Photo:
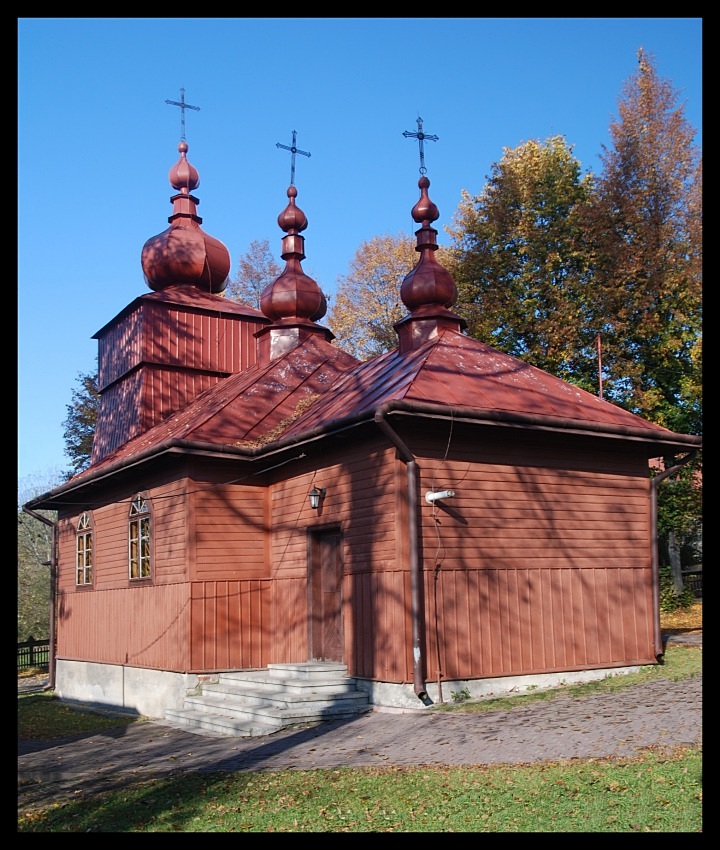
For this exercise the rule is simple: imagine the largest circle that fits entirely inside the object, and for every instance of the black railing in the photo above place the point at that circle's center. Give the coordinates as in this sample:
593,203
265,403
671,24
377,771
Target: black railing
34,654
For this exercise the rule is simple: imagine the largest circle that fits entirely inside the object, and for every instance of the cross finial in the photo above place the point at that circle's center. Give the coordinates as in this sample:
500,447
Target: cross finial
293,150
183,106
421,137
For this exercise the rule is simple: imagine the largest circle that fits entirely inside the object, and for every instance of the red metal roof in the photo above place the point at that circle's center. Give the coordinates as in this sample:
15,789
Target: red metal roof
463,374
317,386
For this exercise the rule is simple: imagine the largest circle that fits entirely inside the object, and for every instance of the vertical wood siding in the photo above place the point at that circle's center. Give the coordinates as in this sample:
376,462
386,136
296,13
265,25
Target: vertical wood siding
145,626
230,624
289,638
176,353
177,336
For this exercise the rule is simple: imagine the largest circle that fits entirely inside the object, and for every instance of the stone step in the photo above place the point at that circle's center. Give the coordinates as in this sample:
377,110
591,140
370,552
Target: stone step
263,701
279,707
281,696
218,724
261,682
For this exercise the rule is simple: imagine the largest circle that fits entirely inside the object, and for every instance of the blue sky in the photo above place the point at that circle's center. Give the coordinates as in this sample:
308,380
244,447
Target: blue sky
96,140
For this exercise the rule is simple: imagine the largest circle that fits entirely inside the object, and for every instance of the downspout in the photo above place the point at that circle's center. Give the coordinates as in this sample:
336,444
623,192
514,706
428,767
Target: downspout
53,592
655,481
415,571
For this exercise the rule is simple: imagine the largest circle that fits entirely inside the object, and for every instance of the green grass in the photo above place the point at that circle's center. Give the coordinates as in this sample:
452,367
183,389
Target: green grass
659,790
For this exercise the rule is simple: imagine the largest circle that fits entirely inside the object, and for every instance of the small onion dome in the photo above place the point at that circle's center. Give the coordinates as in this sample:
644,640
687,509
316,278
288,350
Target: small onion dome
293,295
184,254
428,283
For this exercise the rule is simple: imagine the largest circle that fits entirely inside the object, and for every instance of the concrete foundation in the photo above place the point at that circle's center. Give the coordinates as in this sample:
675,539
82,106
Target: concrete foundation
151,692
133,689
392,697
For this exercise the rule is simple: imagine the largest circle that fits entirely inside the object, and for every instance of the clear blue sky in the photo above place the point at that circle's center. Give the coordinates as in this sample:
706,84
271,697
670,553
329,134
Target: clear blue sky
96,140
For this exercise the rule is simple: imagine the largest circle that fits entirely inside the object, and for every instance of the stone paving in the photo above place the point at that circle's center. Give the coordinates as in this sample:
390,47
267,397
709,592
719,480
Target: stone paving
661,713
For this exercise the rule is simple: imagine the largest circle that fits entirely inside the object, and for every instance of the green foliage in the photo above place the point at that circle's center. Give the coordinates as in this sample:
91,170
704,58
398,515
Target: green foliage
520,263
670,599
645,234
460,696
82,415
33,550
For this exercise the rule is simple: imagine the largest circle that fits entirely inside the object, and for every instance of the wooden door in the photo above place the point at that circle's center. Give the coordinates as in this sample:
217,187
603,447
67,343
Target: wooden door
326,628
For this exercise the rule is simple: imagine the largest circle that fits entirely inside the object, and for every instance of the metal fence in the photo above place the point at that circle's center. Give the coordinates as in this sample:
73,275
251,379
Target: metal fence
34,653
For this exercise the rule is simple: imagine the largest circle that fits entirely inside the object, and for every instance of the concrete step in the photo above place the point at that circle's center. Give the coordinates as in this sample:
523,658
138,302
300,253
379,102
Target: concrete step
262,682
218,724
262,701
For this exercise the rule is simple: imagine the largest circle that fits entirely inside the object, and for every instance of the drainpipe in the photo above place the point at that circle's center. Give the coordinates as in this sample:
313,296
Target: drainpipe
415,571
655,482
52,563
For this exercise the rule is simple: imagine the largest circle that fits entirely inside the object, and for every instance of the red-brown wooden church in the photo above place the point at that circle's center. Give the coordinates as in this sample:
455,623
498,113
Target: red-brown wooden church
475,520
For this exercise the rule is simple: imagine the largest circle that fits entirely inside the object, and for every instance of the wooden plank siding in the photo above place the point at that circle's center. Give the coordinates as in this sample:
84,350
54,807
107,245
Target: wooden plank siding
536,569
529,568
230,531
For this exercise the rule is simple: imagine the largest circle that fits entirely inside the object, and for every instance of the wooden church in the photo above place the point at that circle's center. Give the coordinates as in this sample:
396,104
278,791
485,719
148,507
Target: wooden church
441,517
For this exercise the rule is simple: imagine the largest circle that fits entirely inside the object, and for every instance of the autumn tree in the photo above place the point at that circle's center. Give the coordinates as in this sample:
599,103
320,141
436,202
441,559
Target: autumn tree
520,263
645,228
82,414
645,231
256,269
367,302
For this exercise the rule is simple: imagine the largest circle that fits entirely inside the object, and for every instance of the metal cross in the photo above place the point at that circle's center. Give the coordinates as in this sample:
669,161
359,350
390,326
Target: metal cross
421,137
183,106
293,150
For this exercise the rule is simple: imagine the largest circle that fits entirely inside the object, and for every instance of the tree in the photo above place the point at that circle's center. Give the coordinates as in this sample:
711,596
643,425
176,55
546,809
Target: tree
33,545
256,269
81,420
645,229
367,300
520,263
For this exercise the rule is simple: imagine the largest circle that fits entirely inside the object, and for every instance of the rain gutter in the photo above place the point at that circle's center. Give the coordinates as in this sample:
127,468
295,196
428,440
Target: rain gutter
416,610
655,482
53,592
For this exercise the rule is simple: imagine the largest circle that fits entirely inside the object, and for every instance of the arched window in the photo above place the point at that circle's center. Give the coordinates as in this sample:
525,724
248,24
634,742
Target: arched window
139,538
84,550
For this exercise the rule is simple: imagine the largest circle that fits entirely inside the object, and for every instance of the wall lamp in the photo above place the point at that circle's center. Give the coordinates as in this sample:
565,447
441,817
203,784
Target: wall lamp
431,497
316,495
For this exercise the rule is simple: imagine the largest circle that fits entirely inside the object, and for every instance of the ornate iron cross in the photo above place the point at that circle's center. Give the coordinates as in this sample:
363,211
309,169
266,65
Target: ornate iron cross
183,106
293,150
421,137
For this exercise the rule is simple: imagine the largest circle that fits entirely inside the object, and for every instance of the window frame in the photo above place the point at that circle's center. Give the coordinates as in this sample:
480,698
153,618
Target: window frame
140,539
84,534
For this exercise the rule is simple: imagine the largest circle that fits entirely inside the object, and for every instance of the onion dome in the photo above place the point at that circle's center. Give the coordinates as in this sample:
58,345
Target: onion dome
293,296
429,290
428,283
184,255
